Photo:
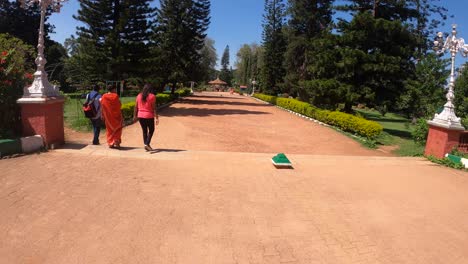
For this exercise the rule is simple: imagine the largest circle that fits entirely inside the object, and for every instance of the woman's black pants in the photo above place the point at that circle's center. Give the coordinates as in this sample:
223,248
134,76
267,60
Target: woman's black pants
147,125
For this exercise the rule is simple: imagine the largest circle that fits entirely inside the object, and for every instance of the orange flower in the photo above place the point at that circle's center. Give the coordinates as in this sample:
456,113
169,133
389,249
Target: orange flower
4,53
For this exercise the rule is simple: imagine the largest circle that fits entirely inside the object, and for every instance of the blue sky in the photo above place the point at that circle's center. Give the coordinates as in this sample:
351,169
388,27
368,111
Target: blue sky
237,22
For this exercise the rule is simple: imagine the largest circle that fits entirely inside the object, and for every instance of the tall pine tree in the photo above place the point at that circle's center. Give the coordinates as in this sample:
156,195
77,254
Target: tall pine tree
179,36
379,48
274,43
209,59
113,40
226,72
309,20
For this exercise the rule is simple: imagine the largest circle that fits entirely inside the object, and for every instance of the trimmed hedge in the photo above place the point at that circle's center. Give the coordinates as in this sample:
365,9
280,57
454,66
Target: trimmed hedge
161,99
343,121
267,98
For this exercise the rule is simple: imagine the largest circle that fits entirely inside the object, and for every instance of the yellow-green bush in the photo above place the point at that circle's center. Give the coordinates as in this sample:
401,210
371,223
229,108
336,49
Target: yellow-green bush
127,110
355,124
184,92
293,105
267,98
344,121
164,98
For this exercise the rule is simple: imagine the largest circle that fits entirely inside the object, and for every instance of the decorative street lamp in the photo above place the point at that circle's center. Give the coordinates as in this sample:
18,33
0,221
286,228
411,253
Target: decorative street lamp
41,86
41,104
452,44
253,86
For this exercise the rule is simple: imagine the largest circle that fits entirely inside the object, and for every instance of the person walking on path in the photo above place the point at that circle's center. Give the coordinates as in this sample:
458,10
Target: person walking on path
112,116
145,111
94,97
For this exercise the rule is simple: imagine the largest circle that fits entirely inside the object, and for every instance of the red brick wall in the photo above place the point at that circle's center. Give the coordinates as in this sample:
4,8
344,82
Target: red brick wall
45,119
441,141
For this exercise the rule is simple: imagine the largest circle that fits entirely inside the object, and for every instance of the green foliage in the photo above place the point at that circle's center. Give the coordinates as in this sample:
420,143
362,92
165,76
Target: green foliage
15,57
458,153
208,61
112,42
267,98
127,110
274,43
183,92
309,21
461,96
446,162
397,132
380,56
179,34
164,98
56,55
247,64
293,105
226,72
420,131
351,123
23,23
425,93
343,121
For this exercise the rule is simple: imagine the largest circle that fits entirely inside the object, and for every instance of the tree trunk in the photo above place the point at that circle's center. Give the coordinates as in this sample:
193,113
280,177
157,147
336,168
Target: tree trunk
348,107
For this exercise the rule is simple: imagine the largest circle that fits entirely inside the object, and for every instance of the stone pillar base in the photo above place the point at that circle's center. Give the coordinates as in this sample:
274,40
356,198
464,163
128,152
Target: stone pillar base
441,141
43,116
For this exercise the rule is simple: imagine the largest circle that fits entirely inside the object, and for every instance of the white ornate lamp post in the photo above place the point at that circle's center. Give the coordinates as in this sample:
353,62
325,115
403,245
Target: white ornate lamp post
445,128
41,86
253,86
41,104
452,44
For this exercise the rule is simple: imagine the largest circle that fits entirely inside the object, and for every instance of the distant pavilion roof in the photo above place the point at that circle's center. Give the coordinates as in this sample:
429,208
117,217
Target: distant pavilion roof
217,82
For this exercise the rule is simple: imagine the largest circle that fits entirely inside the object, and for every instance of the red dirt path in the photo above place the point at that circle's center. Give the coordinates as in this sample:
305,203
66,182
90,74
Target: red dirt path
90,204
233,123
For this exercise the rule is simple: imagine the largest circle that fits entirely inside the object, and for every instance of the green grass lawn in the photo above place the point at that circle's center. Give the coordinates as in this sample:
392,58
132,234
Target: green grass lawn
397,132
74,117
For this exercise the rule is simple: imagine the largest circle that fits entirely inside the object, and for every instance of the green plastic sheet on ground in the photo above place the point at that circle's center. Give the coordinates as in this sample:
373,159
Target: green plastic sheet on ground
281,159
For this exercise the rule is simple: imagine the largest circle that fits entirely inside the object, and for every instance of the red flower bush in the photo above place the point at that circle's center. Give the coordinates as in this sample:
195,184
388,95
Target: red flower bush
16,58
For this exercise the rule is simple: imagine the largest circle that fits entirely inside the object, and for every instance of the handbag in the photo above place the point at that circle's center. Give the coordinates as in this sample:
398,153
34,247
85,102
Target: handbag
89,109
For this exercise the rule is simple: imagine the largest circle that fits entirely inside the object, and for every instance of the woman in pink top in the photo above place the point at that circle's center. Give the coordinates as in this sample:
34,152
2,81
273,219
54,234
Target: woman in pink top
145,112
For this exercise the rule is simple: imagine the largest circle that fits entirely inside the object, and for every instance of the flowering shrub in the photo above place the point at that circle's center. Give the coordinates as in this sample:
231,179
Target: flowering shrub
15,60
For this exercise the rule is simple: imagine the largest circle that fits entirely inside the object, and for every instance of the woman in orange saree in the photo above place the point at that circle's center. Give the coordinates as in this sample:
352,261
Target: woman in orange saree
112,116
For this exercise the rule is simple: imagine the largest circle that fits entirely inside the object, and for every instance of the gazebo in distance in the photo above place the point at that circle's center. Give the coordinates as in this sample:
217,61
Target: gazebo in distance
218,85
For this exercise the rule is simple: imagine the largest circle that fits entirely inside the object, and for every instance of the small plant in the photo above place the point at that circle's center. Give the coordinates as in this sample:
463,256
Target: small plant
420,131
458,153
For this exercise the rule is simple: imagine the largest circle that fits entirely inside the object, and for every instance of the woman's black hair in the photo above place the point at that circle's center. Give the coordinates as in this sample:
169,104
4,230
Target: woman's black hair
147,89
96,88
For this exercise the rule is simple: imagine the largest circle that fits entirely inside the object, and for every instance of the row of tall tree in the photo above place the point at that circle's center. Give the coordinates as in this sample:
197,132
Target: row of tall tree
337,54
124,40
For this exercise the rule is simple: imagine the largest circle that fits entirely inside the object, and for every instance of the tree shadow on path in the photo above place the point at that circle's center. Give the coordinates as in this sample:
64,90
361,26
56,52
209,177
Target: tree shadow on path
219,102
204,112
216,97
